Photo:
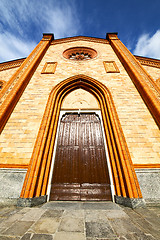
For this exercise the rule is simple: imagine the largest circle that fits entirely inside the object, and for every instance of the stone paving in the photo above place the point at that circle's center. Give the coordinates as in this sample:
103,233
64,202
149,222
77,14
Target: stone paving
79,221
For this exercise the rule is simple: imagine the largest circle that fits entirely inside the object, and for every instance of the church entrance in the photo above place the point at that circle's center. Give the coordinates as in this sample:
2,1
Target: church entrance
80,168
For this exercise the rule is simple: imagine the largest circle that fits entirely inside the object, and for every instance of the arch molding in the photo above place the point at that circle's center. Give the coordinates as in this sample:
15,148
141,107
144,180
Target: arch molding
124,177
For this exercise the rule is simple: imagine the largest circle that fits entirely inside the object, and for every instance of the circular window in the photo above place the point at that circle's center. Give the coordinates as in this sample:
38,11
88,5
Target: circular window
80,53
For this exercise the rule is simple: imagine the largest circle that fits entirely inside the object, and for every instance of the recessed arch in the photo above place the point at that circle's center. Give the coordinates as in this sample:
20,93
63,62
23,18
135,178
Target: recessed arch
124,177
80,99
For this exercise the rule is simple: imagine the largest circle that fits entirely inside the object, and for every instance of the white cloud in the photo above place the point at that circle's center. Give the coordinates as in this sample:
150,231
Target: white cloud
62,22
14,48
24,21
148,46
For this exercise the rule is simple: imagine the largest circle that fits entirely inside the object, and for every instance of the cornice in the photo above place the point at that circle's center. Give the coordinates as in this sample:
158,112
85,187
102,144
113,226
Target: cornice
148,61
143,166
79,38
11,64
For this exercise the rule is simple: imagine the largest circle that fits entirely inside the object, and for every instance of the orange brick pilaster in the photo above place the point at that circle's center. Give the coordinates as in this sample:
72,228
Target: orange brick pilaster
146,86
13,90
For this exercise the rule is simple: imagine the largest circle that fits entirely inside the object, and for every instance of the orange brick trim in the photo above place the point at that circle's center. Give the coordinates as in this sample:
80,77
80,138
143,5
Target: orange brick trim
146,86
124,176
11,64
14,88
49,68
158,82
111,67
149,61
19,166
146,165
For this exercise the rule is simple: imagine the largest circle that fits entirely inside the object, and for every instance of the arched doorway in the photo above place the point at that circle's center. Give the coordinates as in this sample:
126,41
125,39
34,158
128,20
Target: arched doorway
80,169
80,161
124,177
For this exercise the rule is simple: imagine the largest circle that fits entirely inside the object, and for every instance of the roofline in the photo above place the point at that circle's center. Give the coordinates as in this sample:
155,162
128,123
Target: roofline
151,62
17,59
149,58
79,38
11,64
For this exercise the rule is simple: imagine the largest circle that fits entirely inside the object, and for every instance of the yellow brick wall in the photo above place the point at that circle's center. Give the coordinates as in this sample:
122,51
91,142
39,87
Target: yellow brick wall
141,132
5,75
153,71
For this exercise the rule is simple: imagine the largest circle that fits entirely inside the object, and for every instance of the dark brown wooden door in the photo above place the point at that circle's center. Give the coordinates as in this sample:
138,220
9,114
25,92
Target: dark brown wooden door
80,169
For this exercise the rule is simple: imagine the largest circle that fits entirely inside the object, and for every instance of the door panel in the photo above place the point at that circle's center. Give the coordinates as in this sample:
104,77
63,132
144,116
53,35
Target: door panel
80,169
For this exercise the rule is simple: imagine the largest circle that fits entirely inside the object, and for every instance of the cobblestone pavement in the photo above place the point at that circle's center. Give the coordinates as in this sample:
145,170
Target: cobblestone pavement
79,221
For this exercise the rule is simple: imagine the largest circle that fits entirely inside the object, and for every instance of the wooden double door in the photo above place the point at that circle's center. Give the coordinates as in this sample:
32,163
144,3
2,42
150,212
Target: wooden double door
80,168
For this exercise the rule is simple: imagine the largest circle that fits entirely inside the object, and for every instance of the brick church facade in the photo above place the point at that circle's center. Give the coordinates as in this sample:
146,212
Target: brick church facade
79,120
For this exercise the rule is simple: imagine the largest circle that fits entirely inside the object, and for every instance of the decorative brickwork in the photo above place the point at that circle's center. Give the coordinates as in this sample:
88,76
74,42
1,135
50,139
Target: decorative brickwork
49,67
111,67
11,64
148,61
144,83
19,74
141,71
12,91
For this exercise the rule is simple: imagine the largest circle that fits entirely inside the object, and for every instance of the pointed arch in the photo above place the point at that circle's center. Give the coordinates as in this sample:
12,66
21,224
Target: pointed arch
124,177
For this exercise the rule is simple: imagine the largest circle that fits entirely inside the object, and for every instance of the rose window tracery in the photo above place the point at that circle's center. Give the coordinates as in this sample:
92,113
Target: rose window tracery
80,53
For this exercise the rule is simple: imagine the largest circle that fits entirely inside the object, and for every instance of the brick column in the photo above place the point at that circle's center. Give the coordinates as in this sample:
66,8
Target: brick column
146,86
13,90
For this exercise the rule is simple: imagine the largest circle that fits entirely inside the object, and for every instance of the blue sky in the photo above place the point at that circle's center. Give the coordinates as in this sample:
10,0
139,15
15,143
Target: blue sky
22,23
